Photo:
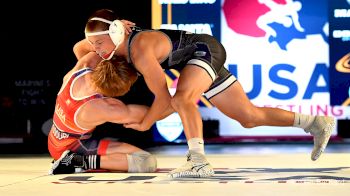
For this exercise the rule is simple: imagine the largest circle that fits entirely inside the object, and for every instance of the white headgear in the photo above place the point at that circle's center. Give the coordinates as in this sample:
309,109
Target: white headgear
116,30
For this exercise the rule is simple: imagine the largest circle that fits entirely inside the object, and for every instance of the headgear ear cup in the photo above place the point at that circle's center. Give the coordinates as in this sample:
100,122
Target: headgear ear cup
116,32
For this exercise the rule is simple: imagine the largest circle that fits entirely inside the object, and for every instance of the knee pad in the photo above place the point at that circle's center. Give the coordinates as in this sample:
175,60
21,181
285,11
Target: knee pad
141,162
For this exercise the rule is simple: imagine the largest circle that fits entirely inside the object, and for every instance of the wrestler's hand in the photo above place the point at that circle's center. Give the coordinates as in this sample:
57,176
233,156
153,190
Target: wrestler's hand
127,25
136,126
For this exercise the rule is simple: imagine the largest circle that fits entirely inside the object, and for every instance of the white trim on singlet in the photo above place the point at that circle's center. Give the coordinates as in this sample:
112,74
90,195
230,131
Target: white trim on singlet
221,87
66,82
205,66
88,70
80,98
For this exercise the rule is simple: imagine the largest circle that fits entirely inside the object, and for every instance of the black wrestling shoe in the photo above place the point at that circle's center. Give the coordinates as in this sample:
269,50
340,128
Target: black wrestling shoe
64,165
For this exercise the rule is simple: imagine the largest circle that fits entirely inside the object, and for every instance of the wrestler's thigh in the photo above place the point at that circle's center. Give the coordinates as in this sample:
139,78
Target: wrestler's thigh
233,101
193,81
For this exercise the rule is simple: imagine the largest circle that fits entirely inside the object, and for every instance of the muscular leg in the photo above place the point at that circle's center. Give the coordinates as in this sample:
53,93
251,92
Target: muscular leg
116,156
192,83
234,103
119,157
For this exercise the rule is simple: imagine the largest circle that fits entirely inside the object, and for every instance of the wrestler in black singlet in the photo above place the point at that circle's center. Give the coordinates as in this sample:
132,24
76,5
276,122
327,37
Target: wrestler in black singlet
195,49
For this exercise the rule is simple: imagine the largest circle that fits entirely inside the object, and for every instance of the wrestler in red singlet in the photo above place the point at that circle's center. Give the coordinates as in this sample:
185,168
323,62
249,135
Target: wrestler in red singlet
66,132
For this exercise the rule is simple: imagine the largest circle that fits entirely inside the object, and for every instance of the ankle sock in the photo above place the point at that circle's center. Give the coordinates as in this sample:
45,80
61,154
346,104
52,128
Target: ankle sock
92,161
86,161
303,121
196,145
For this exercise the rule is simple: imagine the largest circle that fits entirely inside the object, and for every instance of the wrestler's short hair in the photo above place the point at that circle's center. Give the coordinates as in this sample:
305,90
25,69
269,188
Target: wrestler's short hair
114,78
95,25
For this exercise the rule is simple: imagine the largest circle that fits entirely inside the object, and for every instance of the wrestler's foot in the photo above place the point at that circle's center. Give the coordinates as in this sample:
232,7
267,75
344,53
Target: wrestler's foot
197,166
321,129
64,165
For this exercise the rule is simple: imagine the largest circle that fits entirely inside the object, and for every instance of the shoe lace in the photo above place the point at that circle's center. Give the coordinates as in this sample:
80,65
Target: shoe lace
195,157
67,160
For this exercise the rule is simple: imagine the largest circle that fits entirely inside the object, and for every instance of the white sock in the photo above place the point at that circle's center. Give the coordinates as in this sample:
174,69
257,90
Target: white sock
196,145
303,121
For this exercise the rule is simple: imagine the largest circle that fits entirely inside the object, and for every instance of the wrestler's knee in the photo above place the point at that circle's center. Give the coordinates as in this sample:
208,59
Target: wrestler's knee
141,162
181,101
248,118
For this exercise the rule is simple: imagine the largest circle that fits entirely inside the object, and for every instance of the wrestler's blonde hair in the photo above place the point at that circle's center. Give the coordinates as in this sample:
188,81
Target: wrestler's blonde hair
114,78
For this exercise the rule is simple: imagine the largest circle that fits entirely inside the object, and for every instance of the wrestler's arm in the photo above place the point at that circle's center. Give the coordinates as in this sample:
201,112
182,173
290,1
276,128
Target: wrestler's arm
114,111
82,48
118,112
155,79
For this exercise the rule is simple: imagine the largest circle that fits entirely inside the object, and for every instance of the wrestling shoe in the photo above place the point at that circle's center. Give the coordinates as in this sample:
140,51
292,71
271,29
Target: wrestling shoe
197,166
64,165
321,129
